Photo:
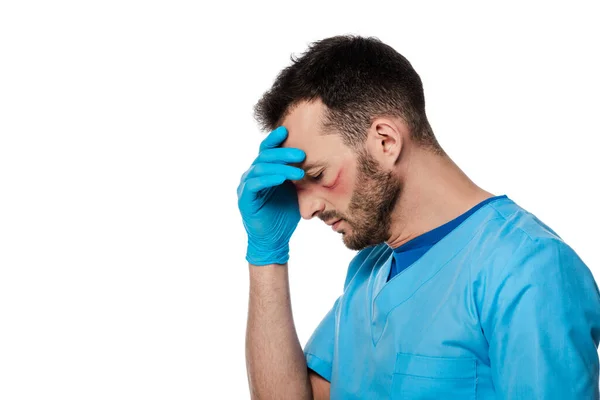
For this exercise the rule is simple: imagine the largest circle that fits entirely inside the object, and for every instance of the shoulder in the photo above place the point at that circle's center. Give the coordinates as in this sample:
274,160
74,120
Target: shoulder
517,256
514,218
514,237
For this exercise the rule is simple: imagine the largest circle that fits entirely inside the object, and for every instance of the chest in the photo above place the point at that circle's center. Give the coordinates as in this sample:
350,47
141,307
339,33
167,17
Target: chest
413,337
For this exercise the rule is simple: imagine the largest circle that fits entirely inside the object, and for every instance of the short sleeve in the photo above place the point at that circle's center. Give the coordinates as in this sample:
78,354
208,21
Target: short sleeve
319,348
541,317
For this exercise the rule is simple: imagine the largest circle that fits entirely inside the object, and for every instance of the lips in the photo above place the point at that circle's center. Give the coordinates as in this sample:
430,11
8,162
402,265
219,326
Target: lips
334,222
336,225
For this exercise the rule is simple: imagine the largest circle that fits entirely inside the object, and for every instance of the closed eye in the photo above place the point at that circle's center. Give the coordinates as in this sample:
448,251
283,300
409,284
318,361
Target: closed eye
317,177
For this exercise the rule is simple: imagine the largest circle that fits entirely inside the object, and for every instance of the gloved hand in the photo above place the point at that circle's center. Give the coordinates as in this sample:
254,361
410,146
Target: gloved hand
269,204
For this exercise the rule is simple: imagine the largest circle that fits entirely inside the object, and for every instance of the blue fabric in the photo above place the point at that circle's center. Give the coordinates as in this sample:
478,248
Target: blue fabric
411,251
499,308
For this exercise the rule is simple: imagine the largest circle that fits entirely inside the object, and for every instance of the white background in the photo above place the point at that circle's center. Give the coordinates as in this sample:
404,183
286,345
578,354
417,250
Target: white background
124,129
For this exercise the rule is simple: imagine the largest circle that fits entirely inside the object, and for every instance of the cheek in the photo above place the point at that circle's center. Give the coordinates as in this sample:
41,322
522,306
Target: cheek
342,189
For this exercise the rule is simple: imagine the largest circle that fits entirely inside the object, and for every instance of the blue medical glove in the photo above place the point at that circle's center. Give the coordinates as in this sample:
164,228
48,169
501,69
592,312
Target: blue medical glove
269,204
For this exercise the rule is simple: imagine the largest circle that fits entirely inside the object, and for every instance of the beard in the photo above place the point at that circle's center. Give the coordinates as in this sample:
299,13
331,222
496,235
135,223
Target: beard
372,203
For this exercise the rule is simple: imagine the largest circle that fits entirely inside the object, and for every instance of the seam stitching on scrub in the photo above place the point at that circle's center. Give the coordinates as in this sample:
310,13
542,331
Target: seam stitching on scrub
366,256
437,378
327,365
370,284
316,356
528,241
320,359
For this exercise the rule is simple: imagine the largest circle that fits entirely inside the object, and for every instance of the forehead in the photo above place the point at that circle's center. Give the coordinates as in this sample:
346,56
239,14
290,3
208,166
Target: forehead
303,123
305,132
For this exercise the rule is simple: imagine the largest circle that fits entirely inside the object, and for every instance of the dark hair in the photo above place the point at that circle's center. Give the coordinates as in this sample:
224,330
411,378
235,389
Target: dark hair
358,79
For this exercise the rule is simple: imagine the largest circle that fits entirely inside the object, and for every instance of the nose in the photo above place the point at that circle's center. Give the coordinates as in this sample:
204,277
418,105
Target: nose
309,204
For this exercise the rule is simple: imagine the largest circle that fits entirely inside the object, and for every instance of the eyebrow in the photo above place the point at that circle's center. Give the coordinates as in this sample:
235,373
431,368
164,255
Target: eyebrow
306,166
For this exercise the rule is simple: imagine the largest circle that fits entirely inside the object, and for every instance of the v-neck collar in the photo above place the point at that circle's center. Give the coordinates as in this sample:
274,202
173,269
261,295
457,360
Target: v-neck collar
436,234
386,295
412,250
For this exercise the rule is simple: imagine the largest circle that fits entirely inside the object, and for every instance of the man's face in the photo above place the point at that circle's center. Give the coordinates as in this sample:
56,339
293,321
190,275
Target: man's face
341,183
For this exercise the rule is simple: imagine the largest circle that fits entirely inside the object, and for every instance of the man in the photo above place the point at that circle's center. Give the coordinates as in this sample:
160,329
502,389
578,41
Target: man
455,293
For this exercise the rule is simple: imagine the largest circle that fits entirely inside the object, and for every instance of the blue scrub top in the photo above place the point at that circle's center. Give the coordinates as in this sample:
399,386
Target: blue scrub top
500,307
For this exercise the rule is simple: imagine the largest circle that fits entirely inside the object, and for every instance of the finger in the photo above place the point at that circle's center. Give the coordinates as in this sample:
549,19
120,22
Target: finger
280,155
255,185
261,169
275,138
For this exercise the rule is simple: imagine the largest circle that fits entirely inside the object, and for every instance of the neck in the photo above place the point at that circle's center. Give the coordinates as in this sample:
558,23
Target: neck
435,191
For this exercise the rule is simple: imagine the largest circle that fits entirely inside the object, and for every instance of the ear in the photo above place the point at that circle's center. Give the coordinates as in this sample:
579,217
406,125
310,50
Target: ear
385,141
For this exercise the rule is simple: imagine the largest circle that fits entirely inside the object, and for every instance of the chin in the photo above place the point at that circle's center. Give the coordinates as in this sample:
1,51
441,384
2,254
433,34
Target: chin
354,243
350,243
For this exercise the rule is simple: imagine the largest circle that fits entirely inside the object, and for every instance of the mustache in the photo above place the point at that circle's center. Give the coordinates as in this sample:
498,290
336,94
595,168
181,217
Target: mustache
329,215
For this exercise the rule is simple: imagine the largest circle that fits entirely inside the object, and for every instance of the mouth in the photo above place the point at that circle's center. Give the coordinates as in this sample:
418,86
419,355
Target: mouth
333,222
336,225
